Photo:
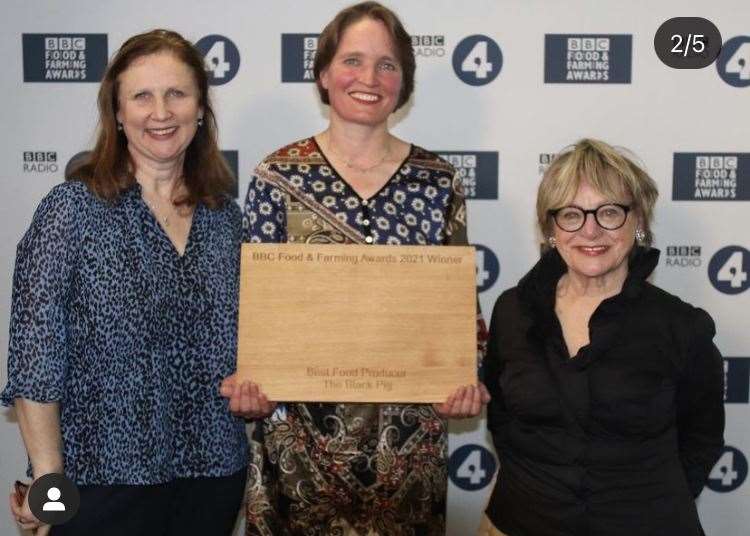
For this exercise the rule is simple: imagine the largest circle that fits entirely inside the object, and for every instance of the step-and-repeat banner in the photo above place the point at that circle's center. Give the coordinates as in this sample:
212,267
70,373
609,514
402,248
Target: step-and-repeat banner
501,86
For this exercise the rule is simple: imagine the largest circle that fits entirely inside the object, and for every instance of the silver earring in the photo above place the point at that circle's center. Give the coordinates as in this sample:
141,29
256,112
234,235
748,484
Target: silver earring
552,241
200,121
119,126
640,236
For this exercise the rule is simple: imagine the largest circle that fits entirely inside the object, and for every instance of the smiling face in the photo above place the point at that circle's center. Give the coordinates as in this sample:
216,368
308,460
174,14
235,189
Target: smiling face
158,107
363,79
594,252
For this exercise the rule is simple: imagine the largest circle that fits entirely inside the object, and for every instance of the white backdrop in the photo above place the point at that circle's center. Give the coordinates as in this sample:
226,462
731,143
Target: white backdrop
518,116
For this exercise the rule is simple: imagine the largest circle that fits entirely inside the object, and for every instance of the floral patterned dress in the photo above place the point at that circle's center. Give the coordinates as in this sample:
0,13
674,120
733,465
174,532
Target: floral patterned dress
339,469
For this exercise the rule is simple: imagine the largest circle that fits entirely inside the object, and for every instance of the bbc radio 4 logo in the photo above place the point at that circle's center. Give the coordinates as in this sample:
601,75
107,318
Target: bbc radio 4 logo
221,58
587,59
478,170
64,57
488,267
471,467
733,63
728,270
477,60
711,177
730,472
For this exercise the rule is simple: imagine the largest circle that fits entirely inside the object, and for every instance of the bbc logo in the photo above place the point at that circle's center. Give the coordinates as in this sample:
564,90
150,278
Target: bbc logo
462,161
65,43
588,43
716,162
683,251
427,40
39,156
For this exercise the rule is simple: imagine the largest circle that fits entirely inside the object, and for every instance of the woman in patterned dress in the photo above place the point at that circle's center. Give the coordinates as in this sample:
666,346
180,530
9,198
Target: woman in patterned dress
123,320
353,469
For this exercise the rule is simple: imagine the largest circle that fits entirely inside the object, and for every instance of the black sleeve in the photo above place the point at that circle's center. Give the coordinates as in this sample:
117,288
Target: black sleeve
700,402
497,415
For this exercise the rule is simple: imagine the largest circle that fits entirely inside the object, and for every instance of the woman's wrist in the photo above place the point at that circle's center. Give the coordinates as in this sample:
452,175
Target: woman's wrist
46,467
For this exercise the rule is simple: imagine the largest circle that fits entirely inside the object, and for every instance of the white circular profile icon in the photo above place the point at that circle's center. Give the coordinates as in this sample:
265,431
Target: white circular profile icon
54,504
54,499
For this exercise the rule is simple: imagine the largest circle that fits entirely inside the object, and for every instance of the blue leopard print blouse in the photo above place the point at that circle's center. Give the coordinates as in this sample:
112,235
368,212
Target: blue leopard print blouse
131,338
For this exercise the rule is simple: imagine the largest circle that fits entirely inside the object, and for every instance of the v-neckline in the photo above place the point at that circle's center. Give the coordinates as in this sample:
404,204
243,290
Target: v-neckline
188,242
349,186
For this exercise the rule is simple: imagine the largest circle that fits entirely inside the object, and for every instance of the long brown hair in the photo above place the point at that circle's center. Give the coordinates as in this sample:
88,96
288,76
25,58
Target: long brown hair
108,170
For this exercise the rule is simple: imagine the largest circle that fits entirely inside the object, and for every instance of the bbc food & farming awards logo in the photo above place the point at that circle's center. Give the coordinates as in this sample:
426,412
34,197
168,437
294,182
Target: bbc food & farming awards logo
587,59
736,380
711,177
478,171
64,57
298,56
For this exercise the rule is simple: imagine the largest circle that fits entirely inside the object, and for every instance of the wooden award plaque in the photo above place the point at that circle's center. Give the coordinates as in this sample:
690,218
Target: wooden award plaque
357,323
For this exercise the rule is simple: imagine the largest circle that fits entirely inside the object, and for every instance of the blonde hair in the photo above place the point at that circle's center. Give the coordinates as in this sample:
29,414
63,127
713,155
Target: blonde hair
611,172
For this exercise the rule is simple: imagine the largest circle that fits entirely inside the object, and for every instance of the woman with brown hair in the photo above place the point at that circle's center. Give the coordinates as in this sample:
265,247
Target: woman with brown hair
346,469
123,320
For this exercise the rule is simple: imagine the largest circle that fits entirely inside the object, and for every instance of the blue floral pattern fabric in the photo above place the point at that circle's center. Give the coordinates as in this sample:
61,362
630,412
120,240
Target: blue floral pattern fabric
129,337
421,204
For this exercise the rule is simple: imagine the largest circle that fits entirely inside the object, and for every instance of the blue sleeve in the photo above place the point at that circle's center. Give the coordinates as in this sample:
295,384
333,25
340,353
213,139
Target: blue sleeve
264,213
42,281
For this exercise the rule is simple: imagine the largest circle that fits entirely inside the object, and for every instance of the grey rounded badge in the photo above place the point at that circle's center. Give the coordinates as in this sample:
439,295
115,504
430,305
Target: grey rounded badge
54,499
687,42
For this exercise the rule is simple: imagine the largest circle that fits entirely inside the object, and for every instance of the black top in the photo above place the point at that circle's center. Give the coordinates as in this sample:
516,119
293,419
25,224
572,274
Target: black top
617,440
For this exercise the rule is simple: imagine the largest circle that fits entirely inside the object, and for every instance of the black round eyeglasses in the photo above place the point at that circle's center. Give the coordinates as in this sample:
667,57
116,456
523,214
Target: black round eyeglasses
609,216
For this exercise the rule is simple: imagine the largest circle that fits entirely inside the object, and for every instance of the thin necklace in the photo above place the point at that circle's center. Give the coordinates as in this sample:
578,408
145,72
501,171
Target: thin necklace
155,209
350,165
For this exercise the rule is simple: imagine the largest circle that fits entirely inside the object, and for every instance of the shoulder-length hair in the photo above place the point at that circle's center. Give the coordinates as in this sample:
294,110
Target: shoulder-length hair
108,170
613,172
328,44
